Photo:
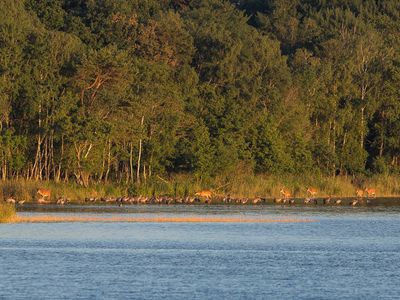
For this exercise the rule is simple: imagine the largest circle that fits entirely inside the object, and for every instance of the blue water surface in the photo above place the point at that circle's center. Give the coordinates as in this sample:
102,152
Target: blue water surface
347,253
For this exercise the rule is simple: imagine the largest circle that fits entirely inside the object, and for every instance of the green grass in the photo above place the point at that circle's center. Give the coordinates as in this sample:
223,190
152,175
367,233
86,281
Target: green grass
7,212
239,185
248,185
27,190
271,185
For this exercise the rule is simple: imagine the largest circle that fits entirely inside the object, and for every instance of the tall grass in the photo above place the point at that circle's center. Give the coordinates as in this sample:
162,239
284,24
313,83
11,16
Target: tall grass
27,190
237,185
270,186
7,212
248,185
386,185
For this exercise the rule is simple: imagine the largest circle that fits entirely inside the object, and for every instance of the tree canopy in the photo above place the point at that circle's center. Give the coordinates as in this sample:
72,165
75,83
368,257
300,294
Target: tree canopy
94,91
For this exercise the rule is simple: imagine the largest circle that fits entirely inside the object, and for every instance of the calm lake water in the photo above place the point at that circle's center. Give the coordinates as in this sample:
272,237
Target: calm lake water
348,253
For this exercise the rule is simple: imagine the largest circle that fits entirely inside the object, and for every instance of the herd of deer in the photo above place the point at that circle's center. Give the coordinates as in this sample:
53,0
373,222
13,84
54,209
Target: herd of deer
204,196
312,192
45,195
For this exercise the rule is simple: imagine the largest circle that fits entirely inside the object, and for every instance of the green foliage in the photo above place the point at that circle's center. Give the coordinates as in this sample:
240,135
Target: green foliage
125,91
271,153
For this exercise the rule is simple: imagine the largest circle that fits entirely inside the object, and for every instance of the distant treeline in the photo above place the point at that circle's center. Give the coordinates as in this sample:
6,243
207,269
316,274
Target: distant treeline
124,90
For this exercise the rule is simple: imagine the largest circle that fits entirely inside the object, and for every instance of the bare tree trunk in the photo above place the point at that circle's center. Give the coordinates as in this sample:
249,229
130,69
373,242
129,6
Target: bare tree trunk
131,162
108,161
127,173
334,147
35,166
329,133
364,87
85,177
381,146
58,177
334,136
46,159
4,170
139,155
150,164
144,173
103,164
138,162
39,150
28,171
66,176
343,145
362,127
344,139
52,165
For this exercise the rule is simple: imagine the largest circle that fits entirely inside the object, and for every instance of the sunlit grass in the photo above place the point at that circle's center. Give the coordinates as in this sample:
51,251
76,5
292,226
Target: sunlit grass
247,185
270,186
7,212
181,185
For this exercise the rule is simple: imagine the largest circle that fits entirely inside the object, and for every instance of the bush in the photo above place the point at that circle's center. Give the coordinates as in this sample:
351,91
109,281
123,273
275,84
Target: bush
379,166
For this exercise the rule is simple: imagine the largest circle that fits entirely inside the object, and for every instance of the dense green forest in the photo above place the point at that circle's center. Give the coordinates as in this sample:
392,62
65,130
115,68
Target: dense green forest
126,90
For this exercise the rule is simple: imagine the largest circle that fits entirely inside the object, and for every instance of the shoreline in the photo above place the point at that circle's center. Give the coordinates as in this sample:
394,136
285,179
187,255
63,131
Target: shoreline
252,186
77,219
191,201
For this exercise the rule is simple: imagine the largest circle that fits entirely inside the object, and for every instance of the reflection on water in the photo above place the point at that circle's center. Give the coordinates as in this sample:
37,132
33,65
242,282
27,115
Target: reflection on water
211,210
348,253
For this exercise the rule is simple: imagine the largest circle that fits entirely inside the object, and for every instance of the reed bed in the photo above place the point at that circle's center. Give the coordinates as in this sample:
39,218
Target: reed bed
7,213
181,185
339,186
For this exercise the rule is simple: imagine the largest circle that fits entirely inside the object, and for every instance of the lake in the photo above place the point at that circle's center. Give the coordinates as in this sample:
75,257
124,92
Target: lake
346,253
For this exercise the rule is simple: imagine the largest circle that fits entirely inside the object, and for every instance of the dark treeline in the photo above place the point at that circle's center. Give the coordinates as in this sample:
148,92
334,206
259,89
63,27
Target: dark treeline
107,90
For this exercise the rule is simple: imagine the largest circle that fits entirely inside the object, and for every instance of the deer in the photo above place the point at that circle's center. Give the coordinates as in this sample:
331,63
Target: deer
285,193
206,194
359,193
44,193
370,192
312,191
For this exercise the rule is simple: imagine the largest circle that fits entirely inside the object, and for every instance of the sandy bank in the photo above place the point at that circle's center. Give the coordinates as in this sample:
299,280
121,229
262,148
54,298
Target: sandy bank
72,219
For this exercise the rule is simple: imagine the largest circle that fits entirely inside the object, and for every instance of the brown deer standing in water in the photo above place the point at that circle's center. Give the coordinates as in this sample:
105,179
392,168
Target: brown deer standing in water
370,192
312,192
44,193
285,193
359,193
207,194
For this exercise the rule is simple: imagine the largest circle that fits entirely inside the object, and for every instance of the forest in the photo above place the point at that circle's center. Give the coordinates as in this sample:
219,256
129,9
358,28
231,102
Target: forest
97,91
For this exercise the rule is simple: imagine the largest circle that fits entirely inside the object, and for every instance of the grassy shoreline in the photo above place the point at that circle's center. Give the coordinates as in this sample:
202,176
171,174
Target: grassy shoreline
180,186
7,213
